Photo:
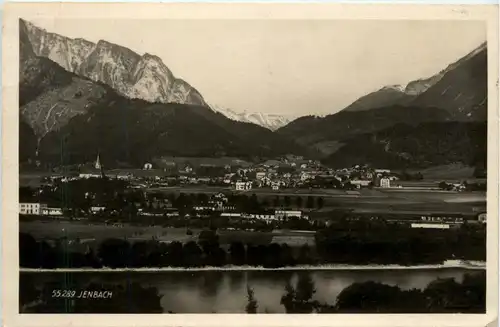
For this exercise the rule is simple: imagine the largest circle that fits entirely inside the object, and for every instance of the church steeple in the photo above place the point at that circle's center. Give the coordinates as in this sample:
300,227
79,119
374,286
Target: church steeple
98,163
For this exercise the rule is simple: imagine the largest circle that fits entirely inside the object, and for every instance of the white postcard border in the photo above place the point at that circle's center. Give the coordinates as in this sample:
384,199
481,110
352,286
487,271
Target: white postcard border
10,172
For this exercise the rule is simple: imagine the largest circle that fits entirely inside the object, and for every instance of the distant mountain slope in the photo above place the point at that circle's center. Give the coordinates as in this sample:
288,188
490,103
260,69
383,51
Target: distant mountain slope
66,119
386,96
425,145
345,124
143,77
269,121
458,93
463,90
130,74
134,131
49,96
461,70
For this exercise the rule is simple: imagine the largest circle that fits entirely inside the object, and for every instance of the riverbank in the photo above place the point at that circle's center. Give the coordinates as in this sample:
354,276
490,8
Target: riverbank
471,265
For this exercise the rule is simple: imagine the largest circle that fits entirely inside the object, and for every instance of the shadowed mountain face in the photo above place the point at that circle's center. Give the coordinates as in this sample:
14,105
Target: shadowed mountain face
386,96
449,89
456,94
134,131
130,74
463,90
66,119
49,96
425,145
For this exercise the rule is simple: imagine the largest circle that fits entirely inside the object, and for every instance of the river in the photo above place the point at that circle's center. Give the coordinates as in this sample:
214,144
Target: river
226,291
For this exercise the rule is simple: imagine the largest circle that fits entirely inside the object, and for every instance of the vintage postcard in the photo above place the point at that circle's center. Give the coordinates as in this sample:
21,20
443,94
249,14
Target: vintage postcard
250,165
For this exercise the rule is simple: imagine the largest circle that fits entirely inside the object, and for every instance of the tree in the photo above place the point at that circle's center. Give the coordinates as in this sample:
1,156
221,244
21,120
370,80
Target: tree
191,254
114,253
276,201
305,288
443,185
320,202
252,302
304,257
254,203
288,299
298,202
287,201
28,251
237,253
310,202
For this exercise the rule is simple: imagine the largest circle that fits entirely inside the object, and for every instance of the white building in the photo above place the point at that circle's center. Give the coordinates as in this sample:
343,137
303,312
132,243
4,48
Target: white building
97,209
265,217
280,214
260,175
27,208
430,226
148,166
243,186
52,211
230,214
305,176
90,175
385,182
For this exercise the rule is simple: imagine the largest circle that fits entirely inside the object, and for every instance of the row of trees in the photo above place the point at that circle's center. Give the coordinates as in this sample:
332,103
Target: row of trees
360,242
119,253
389,245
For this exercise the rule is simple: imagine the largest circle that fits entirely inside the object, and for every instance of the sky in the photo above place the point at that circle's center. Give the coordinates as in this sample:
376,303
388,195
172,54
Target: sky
295,67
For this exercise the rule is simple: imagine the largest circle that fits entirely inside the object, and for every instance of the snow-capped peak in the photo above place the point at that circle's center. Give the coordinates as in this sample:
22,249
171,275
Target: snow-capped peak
396,87
267,120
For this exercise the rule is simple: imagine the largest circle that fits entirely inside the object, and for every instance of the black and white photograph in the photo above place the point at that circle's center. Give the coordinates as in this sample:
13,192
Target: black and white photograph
252,166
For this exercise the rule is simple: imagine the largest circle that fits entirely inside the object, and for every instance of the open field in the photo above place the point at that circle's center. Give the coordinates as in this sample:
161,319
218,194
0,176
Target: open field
96,233
447,172
191,189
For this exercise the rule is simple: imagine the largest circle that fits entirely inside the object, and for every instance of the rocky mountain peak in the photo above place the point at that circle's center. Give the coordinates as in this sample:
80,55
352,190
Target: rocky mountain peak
130,74
269,121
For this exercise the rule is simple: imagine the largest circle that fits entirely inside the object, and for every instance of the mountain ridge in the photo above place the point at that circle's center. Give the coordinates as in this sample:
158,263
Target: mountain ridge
267,120
144,77
405,94
460,94
66,119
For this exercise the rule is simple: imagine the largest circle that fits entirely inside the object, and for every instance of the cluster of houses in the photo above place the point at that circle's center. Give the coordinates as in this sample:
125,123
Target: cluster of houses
285,172
280,174
218,204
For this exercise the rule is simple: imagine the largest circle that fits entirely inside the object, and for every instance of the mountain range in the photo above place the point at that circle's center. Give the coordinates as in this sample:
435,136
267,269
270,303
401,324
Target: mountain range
130,74
143,77
373,123
67,118
408,94
78,97
269,121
